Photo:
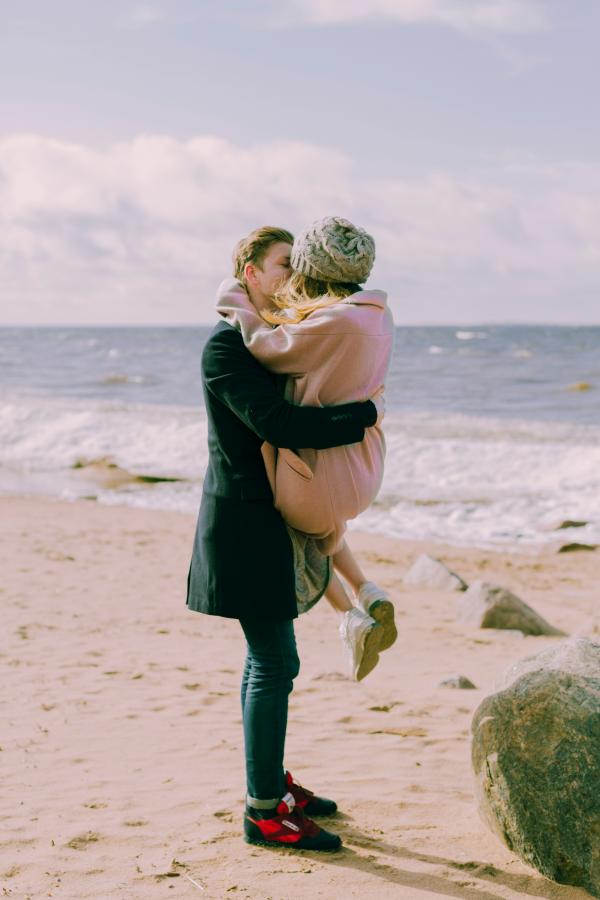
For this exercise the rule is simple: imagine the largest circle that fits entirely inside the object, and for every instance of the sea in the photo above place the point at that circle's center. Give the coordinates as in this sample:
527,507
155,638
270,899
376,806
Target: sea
493,432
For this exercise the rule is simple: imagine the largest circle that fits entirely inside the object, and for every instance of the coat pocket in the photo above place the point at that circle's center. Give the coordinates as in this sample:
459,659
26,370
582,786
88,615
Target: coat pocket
296,463
272,458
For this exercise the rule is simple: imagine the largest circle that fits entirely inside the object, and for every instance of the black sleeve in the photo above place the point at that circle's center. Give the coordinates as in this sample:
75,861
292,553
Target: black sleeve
234,376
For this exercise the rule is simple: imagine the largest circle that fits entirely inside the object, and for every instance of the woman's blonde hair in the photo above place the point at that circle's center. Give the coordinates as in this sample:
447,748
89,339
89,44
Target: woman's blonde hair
301,295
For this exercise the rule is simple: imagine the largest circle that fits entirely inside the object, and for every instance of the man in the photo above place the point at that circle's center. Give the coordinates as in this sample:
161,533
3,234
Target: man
242,562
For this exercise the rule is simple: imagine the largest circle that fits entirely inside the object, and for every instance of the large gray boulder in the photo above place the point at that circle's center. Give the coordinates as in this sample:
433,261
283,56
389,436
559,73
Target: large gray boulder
429,572
492,606
536,758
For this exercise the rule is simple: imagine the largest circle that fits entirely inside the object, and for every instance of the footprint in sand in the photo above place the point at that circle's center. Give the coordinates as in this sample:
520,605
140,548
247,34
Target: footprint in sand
10,873
225,814
377,558
57,556
213,697
81,841
402,732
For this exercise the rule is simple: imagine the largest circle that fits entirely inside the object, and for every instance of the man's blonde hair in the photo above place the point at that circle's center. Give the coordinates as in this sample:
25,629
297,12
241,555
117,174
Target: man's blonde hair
301,295
253,248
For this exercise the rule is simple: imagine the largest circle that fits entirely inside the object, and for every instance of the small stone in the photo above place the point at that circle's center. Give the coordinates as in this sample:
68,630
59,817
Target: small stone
569,523
536,758
457,681
492,606
574,546
429,572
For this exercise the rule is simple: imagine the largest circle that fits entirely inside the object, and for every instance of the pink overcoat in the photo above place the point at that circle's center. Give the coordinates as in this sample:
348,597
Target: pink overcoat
338,354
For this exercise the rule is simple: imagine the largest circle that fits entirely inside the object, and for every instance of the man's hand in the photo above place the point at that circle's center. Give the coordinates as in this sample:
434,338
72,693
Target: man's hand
378,399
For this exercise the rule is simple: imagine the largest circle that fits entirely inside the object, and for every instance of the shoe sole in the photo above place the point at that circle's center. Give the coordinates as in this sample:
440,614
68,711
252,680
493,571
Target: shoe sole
383,613
290,846
370,654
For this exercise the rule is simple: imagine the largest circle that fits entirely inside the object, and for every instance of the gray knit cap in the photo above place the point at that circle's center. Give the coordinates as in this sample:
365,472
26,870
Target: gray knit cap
333,249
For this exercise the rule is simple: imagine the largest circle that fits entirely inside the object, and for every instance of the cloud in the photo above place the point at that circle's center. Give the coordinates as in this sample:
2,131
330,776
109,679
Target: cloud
473,17
142,231
504,16
143,16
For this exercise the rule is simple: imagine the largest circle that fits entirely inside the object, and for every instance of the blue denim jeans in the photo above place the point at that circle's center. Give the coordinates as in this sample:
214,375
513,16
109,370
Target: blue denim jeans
271,665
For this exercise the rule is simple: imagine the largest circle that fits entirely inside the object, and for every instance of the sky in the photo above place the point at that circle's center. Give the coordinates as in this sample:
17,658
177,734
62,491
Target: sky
140,141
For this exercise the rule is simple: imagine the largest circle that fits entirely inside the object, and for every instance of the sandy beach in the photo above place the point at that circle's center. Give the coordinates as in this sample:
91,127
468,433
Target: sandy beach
121,743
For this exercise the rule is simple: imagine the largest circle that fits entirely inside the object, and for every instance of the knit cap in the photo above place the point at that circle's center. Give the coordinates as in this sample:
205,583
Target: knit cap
333,249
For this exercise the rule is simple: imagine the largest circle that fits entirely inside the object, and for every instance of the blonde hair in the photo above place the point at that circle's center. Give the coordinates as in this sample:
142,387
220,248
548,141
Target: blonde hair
253,248
302,294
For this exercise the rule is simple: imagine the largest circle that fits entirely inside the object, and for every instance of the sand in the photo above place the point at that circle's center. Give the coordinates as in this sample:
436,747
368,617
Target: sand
121,743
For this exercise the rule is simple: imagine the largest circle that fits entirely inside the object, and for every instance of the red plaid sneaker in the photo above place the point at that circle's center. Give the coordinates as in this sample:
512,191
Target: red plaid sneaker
310,804
289,827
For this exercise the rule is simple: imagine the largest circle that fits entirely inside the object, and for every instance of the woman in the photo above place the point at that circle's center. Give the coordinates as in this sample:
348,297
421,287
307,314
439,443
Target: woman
333,341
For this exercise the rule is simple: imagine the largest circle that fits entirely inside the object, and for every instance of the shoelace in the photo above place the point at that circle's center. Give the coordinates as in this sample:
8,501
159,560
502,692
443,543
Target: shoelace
297,788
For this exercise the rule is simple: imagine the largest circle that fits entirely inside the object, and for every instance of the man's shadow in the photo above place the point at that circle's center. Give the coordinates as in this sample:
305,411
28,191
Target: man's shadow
532,885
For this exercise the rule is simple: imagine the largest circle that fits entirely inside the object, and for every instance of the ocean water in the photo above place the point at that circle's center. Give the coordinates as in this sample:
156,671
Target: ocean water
493,432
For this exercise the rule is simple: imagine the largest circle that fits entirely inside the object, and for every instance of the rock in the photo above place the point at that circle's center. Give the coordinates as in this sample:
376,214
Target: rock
569,523
536,758
580,386
573,547
492,606
104,472
429,572
578,656
457,681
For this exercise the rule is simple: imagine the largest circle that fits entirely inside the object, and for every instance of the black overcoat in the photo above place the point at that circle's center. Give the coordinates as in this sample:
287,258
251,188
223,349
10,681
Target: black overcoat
242,563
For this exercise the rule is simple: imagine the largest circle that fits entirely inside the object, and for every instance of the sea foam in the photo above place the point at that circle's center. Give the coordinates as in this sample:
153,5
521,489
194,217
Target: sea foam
457,478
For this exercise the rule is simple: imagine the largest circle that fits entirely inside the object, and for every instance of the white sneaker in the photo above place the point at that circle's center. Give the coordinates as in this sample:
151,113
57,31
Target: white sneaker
362,638
374,601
